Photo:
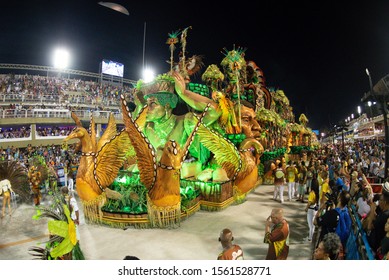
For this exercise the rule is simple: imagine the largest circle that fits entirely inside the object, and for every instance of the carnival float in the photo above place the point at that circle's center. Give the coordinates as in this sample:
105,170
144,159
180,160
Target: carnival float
163,166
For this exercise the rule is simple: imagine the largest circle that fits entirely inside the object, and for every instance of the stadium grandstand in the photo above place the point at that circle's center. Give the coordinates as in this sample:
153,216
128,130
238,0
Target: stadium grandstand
36,103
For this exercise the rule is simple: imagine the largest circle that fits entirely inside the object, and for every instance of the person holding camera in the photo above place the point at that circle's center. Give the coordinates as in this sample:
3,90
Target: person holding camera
326,217
336,219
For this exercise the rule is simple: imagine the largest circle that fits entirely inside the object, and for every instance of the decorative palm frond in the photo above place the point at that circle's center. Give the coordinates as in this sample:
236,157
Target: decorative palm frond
63,243
39,253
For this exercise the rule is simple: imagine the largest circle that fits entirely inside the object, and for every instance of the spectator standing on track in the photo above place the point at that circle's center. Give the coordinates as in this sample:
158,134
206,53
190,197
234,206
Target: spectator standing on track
230,251
277,235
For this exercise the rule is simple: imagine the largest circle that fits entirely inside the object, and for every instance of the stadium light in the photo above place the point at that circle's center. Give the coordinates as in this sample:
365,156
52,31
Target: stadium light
148,75
61,58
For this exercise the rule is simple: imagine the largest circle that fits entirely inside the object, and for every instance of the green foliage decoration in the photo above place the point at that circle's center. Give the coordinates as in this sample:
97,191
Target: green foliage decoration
134,195
272,155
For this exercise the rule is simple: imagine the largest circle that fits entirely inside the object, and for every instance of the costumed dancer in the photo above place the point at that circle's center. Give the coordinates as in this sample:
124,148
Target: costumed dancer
73,208
6,191
35,179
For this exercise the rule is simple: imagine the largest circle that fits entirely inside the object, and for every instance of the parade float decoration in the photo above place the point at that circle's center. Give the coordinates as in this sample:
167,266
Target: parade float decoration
160,177
239,164
163,167
99,164
256,86
302,138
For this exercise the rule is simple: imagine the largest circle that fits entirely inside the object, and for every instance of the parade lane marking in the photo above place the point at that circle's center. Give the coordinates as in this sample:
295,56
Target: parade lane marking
23,241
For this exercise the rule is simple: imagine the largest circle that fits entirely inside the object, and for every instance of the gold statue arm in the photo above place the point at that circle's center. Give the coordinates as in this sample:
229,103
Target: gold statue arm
196,101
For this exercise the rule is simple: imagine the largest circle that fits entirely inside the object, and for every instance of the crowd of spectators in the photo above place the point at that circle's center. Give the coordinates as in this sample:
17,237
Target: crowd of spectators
29,92
354,170
54,130
54,155
62,91
41,131
17,132
344,179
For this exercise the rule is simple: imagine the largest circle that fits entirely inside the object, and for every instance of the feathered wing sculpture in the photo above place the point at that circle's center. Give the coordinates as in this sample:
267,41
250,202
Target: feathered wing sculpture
240,165
145,153
92,132
225,152
17,175
109,133
162,179
99,163
110,157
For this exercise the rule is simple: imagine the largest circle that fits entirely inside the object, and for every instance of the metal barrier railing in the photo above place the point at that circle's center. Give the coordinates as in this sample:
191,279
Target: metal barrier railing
55,113
358,246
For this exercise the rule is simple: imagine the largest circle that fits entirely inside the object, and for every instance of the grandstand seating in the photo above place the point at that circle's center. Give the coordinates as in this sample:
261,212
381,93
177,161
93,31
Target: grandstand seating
33,101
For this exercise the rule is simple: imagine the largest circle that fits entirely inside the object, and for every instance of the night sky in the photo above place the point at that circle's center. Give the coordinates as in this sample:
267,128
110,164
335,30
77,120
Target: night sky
316,51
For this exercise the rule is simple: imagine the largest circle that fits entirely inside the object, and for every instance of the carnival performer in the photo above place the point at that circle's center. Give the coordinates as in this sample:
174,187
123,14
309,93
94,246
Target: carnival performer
291,172
277,235
279,183
73,207
312,207
6,191
53,177
35,179
230,251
